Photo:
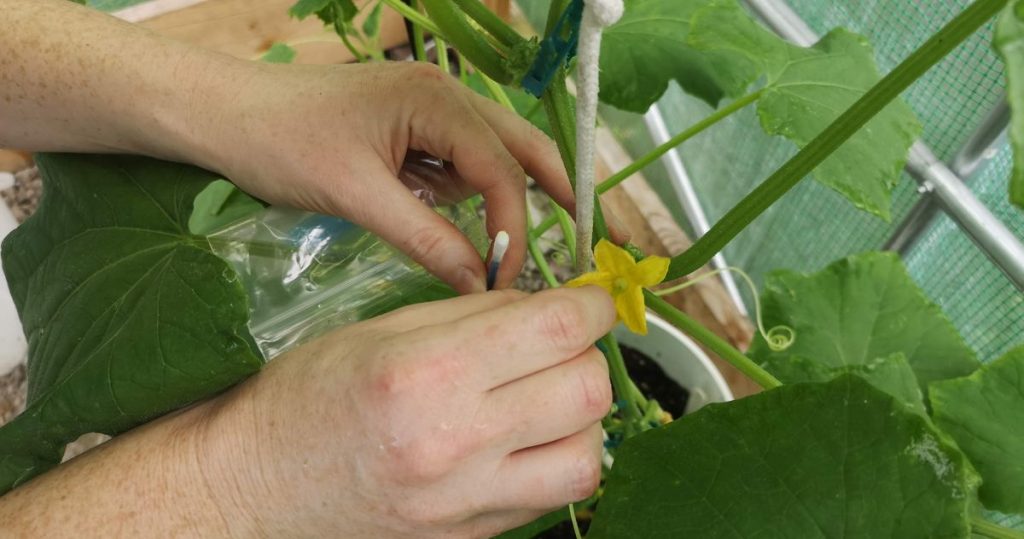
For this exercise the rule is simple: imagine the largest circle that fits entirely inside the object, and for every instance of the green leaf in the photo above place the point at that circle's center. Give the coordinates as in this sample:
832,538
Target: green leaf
218,205
305,8
337,12
984,413
127,315
535,528
1009,42
812,89
835,459
807,89
891,374
371,26
860,309
648,47
279,53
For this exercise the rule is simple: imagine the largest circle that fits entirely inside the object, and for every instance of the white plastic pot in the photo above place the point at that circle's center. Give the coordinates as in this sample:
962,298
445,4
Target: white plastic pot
681,359
12,340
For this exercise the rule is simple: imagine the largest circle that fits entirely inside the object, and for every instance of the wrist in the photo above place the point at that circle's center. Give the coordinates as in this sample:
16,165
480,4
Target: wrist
230,453
189,115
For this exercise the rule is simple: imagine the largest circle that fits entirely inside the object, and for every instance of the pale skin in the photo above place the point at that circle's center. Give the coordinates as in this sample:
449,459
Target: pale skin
459,418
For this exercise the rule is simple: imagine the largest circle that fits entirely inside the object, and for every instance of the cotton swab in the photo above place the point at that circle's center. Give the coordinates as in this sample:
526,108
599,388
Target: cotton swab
498,249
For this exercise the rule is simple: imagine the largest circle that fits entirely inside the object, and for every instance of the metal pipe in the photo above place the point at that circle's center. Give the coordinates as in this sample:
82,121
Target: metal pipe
980,148
688,198
974,218
991,236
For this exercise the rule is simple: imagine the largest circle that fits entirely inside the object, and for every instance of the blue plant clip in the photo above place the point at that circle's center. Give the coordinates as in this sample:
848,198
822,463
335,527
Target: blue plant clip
555,50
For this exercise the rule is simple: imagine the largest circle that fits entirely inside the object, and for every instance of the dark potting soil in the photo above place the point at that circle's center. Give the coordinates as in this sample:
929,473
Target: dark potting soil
655,384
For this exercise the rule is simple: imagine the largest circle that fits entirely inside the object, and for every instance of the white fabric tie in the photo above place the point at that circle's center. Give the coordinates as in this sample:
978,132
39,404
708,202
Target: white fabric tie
597,15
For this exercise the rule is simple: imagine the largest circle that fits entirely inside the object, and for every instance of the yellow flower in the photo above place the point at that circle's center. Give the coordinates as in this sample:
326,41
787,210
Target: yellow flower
624,278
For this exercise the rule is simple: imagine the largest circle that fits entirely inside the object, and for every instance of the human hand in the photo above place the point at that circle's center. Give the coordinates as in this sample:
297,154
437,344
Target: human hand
459,418
332,139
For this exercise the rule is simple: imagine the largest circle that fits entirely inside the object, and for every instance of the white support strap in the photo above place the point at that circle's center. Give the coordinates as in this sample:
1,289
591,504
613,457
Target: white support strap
597,15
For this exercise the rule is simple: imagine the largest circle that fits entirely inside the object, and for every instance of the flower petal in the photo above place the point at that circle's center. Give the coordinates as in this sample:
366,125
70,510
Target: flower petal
598,278
613,259
630,306
650,271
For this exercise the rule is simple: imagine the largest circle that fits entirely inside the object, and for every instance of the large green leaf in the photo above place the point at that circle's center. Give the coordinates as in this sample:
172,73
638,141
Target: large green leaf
860,309
984,413
1009,41
648,47
891,374
807,89
127,314
835,459
218,205
279,53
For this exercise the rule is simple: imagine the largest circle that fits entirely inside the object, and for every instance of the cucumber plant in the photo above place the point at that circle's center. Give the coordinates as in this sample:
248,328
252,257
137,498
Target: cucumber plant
877,419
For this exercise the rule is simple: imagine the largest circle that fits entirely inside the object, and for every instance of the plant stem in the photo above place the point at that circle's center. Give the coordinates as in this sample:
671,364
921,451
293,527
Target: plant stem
414,16
689,133
538,257
489,21
844,127
558,106
575,525
497,92
568,233
419,46
562,119
715,343
470,42
622,384
985,528
544,226
441,46
463,71
348,44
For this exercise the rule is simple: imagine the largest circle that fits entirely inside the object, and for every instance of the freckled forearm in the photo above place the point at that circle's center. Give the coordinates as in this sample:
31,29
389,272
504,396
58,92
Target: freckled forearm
73,79
146,483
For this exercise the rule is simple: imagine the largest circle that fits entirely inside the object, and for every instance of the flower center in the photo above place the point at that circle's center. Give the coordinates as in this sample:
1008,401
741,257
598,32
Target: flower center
619,285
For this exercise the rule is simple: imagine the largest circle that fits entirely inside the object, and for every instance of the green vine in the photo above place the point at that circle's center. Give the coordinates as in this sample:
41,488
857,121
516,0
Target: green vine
713,342
984,528
490,22
682,137
473,46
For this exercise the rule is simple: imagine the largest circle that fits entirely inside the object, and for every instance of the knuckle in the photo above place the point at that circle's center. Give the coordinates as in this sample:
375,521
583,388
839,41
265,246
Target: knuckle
421,461
594,390
509,295
511,169
564,323
424,71
426,513
389,381
586,475
425,243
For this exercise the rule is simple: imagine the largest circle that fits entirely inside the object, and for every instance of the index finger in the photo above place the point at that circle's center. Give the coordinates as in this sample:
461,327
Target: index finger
521,338
454,131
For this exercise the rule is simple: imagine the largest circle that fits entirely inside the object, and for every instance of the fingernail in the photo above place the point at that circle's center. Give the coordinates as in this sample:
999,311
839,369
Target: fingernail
470,281
618,224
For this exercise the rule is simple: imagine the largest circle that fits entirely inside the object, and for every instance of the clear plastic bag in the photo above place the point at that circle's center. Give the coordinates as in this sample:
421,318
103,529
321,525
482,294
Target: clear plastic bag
307,273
